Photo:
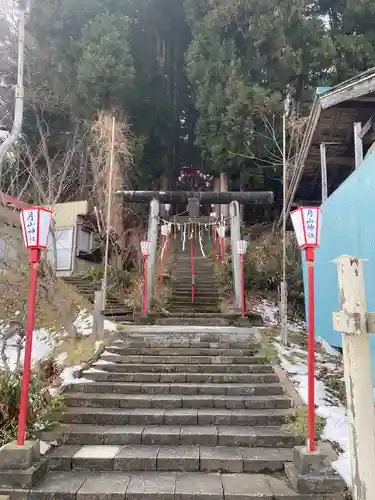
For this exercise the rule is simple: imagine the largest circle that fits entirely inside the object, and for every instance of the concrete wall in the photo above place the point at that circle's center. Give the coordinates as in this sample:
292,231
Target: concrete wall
65,214
348,228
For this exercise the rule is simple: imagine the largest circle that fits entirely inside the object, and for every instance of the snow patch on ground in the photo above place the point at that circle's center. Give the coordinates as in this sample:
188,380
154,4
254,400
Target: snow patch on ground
269,312
271,316
328,348
45,340
43,344
294,362
44,447
85,320
67,375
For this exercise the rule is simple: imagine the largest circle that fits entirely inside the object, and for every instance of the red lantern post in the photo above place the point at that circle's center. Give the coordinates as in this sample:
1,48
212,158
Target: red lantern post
146,248
192,255
221,233
214,241
307,224
36,223
241,250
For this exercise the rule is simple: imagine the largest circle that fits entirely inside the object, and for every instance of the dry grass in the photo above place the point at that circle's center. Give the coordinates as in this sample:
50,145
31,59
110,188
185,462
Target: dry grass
14,289
80,350
297,424
267,346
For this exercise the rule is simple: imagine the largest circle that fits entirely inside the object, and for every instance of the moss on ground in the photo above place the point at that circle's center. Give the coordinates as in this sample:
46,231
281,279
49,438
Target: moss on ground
297,424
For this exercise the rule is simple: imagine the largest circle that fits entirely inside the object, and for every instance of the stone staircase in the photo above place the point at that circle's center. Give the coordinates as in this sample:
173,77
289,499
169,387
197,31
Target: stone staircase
164,416
115,308
205,308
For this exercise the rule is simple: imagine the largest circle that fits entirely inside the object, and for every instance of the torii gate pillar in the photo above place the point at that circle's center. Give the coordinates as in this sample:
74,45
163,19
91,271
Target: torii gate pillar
153,237
235,235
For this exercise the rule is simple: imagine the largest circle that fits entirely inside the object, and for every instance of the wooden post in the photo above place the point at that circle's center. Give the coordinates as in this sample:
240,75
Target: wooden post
98,318
358,144
323,166
352,321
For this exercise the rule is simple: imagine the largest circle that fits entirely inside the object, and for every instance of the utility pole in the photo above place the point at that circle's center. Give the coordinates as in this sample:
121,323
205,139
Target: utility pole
7,145
283,285
109,211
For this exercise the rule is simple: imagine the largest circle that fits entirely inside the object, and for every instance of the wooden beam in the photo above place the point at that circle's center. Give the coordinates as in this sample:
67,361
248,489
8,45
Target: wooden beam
348,92
323,170
358,144
366,127
352,105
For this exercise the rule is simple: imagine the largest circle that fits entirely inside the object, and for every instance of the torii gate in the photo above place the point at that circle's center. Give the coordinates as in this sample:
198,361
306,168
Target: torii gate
194,199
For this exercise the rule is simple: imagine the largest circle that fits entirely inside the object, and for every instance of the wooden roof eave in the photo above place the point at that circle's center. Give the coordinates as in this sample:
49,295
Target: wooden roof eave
354,88
311,125
349,90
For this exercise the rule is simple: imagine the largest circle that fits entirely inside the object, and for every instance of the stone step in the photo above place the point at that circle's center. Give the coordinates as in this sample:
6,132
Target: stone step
182,458
192,308
164,401
211,435
78,485
193,319
204,299
188,340
173,360
175,388
196,315
179,416
211,303
182,368
208,290
199,270
195,378
25,478
181,351
202,307
200,280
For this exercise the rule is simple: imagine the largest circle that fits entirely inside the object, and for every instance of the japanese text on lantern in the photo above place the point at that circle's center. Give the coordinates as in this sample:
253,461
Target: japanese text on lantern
31,227
310,217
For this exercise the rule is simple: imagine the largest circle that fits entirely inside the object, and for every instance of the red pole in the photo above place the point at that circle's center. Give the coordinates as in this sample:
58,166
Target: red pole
214,241
222,250
166,247
311,349
192,271
243,285
34,260
145,287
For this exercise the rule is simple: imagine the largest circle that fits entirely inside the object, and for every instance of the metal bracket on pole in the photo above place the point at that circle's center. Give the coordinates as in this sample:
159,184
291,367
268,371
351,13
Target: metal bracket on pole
235,235
153,237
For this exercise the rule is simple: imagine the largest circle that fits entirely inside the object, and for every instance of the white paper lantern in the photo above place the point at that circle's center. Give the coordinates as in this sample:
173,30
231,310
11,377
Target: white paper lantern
241,247
164,230
36,224
146,248
221,231
307,223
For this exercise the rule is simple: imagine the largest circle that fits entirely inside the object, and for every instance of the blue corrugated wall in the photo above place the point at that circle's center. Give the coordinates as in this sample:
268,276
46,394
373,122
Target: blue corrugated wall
348,228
